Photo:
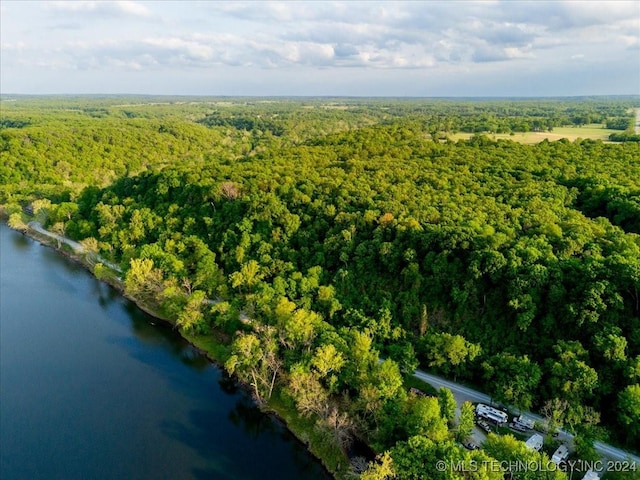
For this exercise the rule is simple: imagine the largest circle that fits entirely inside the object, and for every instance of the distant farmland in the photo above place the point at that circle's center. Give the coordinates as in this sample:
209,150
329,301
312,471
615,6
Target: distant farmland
593,132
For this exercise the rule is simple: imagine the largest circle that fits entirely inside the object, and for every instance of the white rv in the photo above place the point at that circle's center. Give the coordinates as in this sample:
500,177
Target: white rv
535,442
490,413
525,422
560,455
591,475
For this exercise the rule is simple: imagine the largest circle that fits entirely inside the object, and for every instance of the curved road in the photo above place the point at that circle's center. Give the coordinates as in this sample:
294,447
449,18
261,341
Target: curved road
77,248
463,394
40,229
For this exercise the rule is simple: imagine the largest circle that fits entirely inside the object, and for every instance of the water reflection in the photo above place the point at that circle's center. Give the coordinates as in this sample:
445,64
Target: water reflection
91,389
105,294
247,415
197,435
227,384
21,242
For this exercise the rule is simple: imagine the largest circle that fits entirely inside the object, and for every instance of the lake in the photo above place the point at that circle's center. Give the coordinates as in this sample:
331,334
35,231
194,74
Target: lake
90,388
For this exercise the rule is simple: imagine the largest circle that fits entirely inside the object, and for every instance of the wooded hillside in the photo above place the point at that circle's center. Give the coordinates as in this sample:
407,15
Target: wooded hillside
345,229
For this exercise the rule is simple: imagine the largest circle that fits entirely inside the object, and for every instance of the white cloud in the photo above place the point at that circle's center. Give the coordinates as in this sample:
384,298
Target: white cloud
8,46
191,49
111,8
372,40
132,8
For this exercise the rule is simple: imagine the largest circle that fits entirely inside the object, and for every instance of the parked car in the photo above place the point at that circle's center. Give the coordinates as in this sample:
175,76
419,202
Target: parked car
518,427
420,393
484,426
470,446
525,421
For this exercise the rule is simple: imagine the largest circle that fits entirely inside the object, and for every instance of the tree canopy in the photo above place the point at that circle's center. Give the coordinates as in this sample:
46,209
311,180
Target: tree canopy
349,229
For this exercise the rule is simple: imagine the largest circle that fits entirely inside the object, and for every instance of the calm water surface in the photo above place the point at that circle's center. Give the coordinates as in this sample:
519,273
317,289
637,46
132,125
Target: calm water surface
90,389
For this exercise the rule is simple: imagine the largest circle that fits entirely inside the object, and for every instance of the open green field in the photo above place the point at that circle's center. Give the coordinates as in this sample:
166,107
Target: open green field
592,131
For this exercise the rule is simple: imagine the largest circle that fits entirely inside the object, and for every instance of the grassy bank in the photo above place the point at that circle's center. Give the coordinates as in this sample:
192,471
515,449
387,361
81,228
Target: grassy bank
303,428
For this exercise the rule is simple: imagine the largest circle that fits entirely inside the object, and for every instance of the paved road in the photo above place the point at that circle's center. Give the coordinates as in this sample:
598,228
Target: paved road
38,228
638,121
463,394
77,248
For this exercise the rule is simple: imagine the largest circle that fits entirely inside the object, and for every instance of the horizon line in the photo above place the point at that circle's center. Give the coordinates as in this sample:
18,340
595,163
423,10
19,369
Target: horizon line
316,96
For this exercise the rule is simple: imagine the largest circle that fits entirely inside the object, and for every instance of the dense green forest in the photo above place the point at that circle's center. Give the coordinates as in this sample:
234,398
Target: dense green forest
346,230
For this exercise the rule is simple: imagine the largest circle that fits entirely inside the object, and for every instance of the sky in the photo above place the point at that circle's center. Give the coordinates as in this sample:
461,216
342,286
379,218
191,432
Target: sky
352,48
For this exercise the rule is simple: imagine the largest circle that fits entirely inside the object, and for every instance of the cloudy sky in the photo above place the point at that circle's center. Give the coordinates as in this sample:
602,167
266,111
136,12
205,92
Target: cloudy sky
353,48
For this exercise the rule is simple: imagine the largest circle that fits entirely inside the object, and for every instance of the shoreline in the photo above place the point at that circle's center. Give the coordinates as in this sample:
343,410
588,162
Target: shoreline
49,242
300,436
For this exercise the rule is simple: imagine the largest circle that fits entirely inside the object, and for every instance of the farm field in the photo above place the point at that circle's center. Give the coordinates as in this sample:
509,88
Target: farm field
591,132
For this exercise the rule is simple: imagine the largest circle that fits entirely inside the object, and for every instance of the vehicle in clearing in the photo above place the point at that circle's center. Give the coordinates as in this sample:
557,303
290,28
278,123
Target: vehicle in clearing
470,446
484,426
535,442
526,422
591,475
492,414
560,455
420,393
518,427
